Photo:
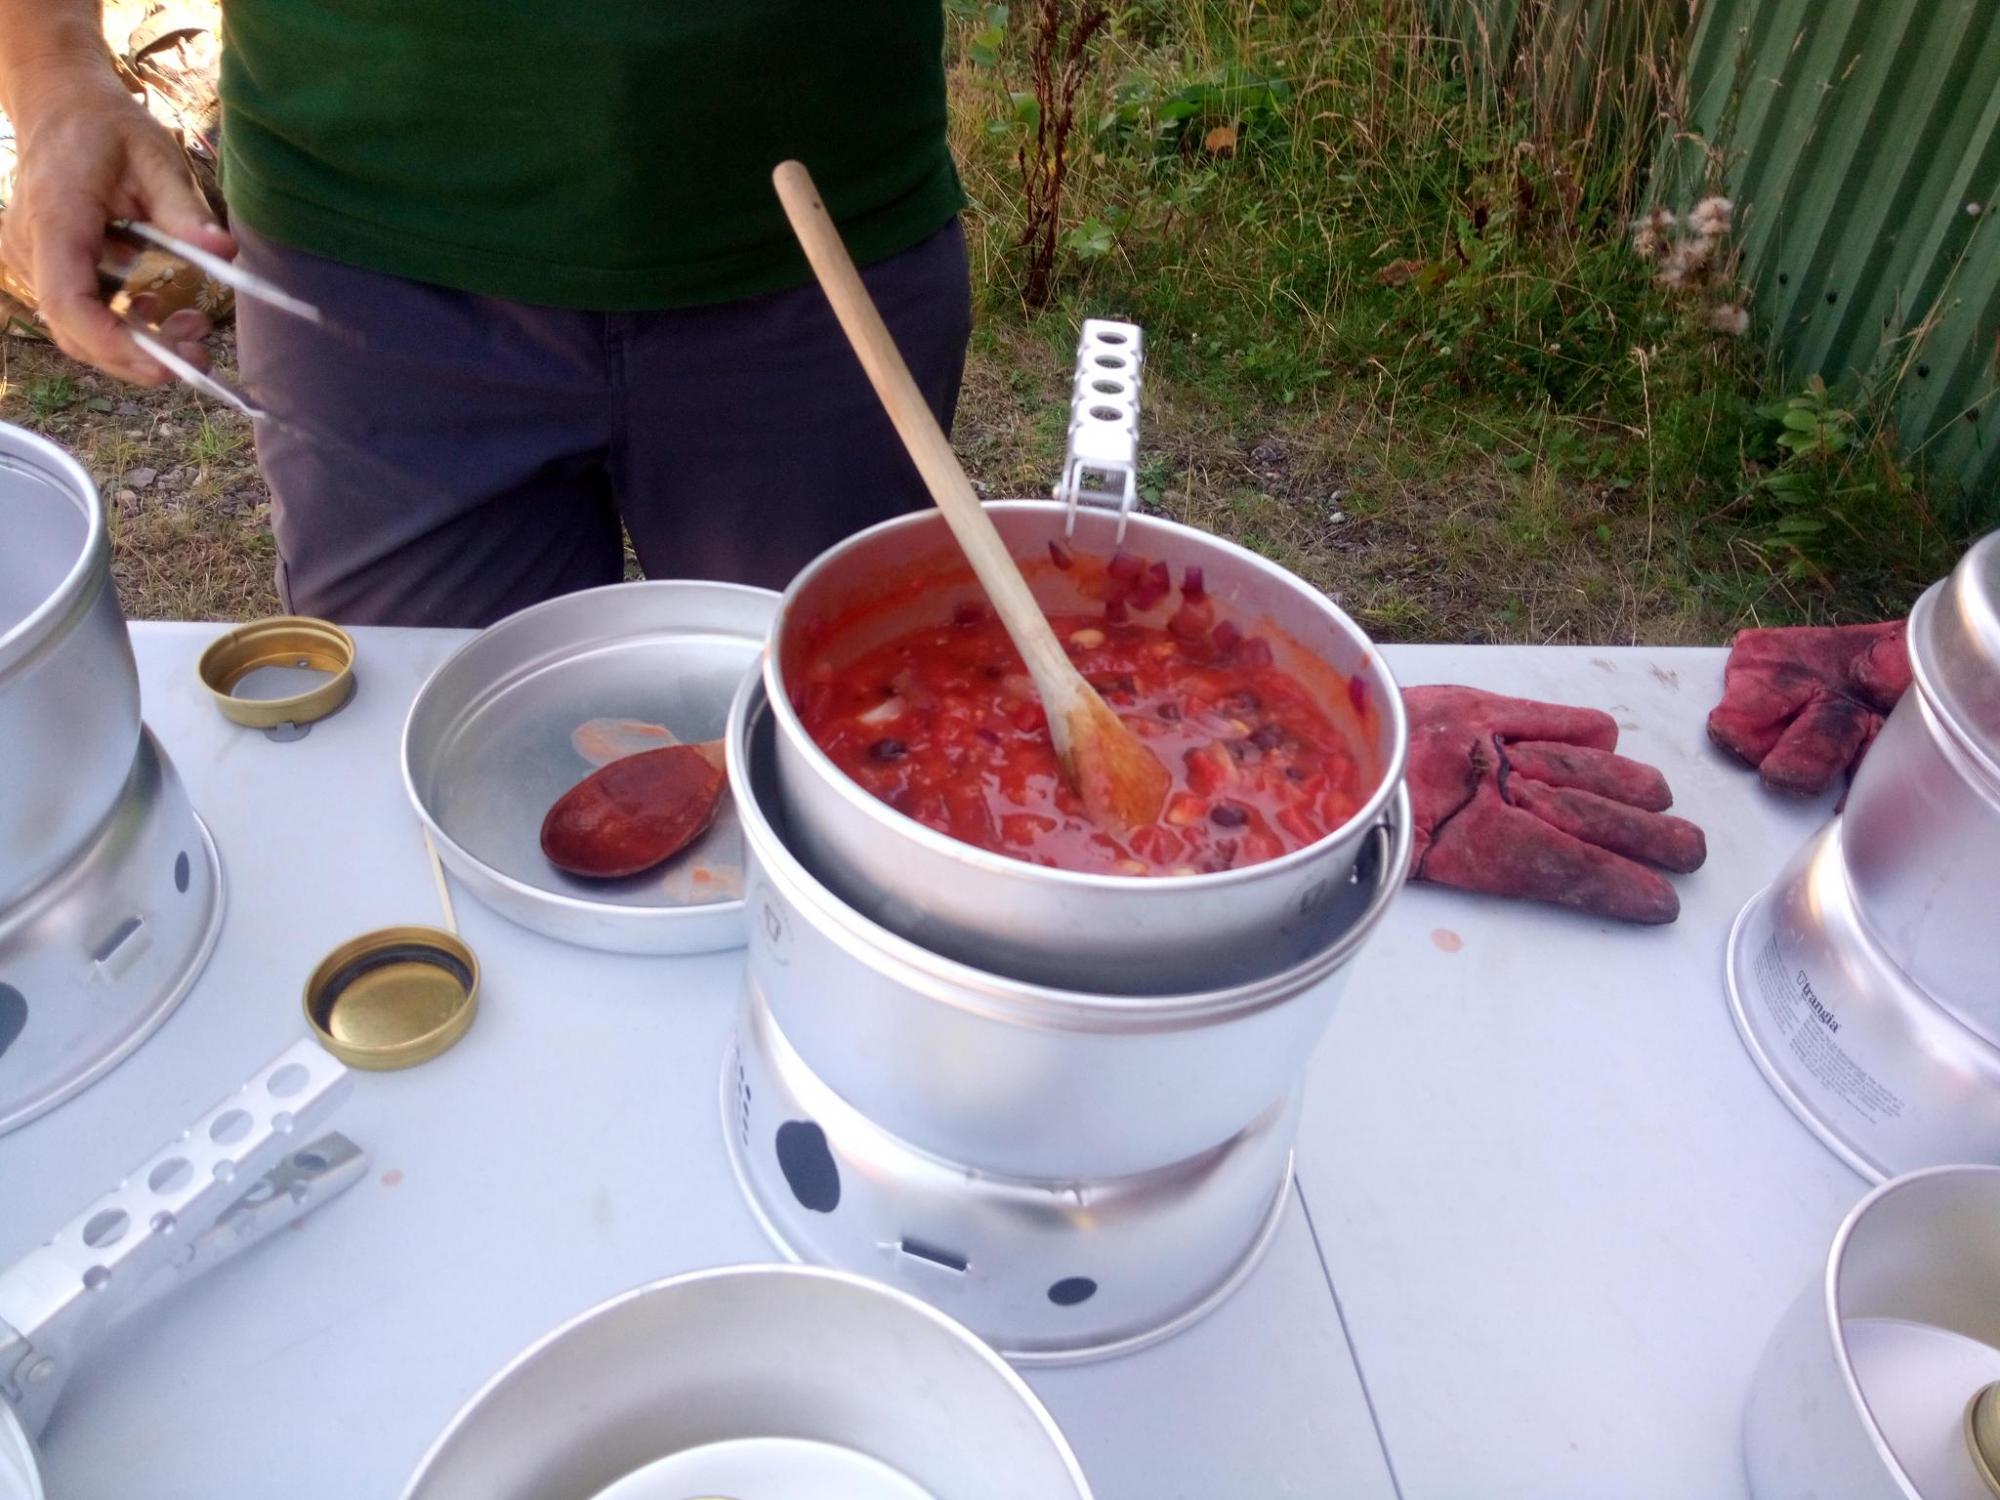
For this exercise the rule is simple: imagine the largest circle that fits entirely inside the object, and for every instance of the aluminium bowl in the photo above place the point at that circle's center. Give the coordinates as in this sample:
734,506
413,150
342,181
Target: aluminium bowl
1863,1390
488,748
758,1383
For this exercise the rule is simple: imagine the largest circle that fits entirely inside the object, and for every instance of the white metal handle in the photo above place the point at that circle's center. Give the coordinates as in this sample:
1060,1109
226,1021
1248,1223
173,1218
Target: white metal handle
57,1297
1101,463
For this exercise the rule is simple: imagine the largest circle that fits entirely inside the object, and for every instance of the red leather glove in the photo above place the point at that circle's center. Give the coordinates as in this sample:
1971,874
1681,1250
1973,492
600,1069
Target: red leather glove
1803,705
1518,798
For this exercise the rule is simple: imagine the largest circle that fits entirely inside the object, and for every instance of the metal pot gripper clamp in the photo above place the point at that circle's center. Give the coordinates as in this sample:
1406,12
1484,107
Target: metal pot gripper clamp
233,1177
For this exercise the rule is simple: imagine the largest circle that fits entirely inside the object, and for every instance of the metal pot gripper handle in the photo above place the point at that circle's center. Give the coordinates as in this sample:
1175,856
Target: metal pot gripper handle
1101,462
230,1179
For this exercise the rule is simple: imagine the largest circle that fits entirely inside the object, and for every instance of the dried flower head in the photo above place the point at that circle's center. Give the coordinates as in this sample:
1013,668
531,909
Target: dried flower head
1711,217
1685,263
1729,319
1652,233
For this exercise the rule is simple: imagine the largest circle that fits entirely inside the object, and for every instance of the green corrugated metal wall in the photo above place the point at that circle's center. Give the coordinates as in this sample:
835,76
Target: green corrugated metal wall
1862,147
1865,157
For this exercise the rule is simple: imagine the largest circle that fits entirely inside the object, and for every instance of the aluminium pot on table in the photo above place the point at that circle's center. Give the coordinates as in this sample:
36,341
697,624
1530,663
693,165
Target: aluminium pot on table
1922,821
760,1383
1863,1390
69,690
1103,933
110,886
1861,979
990,1071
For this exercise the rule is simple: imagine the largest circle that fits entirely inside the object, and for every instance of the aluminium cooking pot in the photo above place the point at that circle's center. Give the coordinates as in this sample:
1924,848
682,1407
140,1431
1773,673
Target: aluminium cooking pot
989,1071
1108,934
759,1383
1865,1389
1921,831
69,690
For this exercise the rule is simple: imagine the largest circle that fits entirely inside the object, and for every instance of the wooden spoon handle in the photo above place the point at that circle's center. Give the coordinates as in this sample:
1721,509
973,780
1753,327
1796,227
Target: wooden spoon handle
925,440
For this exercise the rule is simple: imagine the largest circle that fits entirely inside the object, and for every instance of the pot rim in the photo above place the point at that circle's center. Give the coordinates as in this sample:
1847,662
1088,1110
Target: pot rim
963,1337
1014,1002
1830,1304
1004,866
90,572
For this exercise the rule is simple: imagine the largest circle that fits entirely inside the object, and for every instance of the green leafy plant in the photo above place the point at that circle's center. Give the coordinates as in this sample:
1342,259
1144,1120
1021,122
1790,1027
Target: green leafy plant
1093,239
1247,107
1839,502
987,35
50,394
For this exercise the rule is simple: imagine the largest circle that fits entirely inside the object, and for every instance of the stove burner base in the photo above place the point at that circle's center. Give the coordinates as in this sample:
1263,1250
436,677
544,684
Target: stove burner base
1048,1272
94,961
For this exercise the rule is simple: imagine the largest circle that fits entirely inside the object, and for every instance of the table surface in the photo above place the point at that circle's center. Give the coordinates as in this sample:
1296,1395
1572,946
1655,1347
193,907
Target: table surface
1547,1211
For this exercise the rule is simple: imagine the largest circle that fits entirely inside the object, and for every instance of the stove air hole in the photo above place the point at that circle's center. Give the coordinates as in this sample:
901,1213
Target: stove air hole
230,1127
13,1016
119,937
919,1250
183,872
808,1166
1072,1290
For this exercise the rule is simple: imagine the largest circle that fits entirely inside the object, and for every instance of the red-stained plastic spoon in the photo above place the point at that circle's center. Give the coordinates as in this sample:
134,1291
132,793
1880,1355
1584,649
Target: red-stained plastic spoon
635,812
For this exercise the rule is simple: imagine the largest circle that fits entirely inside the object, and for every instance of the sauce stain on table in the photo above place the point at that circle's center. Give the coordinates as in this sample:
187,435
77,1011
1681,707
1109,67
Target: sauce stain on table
1445,940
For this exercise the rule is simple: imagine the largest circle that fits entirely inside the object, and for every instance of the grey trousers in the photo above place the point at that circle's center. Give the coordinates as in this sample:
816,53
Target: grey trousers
465,456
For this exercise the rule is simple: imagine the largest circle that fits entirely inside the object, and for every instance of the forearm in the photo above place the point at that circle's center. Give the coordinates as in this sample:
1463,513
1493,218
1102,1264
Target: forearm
47,48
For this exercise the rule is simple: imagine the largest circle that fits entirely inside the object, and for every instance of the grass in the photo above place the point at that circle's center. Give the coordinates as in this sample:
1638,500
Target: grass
1398,339
1375,289
190,519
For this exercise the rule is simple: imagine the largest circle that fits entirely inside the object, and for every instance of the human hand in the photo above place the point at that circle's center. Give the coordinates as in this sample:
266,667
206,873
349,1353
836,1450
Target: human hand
1518,798
1803,705
90,154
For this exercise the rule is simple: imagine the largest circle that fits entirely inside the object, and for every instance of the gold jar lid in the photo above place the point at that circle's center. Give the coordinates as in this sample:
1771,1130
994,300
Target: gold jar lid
393,998
283,646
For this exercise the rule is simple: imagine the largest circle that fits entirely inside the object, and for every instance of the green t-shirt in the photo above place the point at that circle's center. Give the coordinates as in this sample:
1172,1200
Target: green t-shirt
608,154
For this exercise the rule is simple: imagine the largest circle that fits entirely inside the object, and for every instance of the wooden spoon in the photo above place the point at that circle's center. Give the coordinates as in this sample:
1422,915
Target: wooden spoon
1122,783
636,812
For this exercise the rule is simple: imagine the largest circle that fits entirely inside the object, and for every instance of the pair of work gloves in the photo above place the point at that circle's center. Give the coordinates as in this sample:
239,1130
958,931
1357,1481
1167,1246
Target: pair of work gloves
1518,798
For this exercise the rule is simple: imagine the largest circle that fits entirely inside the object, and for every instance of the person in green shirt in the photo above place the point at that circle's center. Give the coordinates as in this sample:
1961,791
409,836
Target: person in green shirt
566,298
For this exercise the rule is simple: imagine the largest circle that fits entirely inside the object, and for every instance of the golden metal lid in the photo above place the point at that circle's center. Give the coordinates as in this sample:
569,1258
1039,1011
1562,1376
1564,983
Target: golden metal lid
393,998
284,644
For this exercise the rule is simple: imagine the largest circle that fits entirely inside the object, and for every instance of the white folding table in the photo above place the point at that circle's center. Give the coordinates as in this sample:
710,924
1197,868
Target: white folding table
1546,1210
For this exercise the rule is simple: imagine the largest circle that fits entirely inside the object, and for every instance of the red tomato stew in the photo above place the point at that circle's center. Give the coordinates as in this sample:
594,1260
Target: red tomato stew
943,724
